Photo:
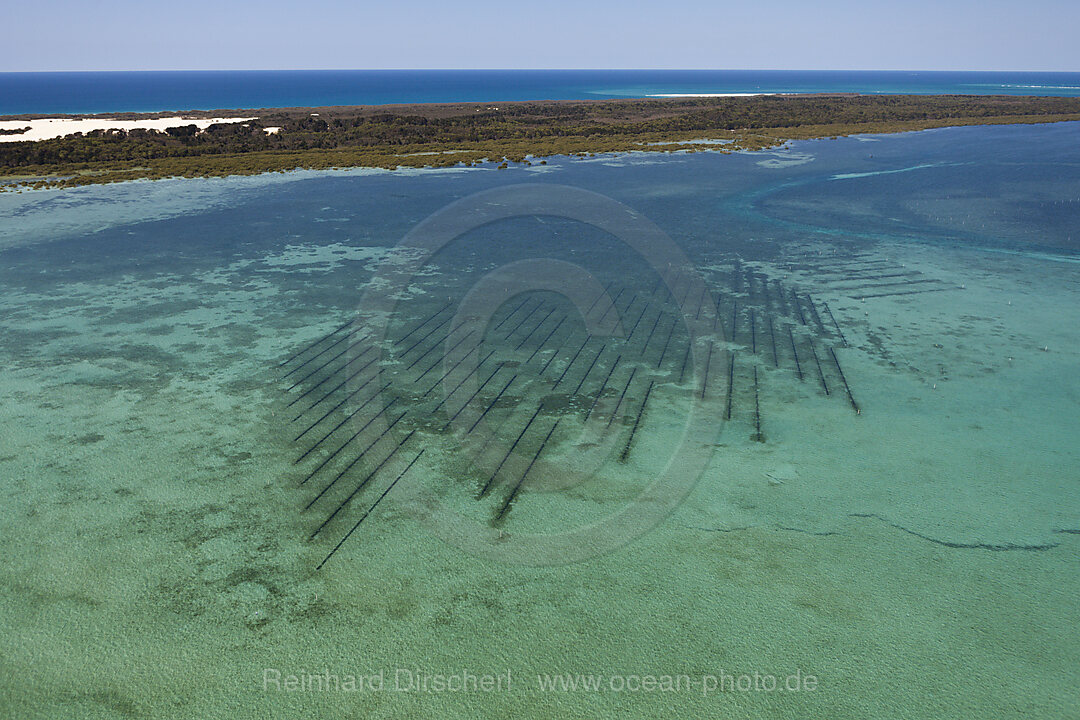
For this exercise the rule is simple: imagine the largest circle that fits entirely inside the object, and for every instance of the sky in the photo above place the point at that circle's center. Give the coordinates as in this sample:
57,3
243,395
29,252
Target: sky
335,34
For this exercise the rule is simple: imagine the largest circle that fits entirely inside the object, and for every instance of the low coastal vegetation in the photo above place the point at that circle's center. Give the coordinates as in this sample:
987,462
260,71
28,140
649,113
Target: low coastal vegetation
469,133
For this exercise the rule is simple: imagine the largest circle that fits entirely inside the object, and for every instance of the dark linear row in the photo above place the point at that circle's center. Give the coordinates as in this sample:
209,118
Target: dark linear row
311,345
460,382
517,486
329,412
909,292
360,486
369,511
356,460
438,360
315,387
471,397
328,362
322,352
509,452
879,286
758,436
637,422
347,418
750,279
345,444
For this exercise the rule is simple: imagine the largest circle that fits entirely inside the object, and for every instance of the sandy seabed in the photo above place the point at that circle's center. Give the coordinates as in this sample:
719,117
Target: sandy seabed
917,560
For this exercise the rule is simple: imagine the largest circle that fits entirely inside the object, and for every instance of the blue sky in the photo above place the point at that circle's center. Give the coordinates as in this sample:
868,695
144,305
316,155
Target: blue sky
767,34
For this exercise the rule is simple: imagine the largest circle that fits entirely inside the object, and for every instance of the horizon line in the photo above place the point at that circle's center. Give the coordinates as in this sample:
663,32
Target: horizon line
545,69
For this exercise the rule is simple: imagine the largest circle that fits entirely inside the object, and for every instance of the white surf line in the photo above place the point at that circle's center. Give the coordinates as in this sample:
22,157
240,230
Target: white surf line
853,176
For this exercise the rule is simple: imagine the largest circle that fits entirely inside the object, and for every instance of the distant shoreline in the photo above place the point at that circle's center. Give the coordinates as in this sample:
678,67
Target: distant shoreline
129,146
432,108
54,93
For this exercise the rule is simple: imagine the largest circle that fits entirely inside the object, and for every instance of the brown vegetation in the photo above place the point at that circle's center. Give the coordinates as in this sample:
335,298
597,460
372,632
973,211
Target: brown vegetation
442,135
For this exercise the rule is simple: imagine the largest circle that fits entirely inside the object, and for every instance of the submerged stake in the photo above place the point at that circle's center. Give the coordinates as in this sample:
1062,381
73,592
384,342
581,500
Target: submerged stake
487,485
337,387
608,309
348,417
556,353
582,381
307,392
546,338
814,313
649,338
422,324
524,320
364,516
636,323
438,360
772,334
477,392
427,352
361,486
428,334
843,379
686,357
795,352
517,487
322,352
622,395
818,363
603,385
348,347
602,294
348,397
357,458
758,437
460,382
671,331
730,383
708,361
637,421
571,363
798,306
734,318
835,324
533,331
345,444
309,346
511,313
492,404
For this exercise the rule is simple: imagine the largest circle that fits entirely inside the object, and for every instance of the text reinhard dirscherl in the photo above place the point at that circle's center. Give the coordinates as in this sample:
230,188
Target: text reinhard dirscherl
415,680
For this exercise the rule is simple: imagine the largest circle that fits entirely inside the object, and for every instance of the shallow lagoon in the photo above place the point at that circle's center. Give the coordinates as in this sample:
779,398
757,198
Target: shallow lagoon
162,348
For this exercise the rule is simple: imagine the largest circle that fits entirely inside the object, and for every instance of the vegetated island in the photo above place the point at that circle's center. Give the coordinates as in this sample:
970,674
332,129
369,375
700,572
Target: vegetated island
446,135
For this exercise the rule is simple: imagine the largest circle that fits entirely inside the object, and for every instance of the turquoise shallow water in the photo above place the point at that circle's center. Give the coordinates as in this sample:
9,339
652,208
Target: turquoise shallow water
386,425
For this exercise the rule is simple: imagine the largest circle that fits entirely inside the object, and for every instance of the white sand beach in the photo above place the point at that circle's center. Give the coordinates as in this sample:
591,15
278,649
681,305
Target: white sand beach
48,128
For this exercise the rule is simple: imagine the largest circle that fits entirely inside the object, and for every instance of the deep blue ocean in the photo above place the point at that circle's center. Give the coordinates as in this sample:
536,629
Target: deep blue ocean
99,92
